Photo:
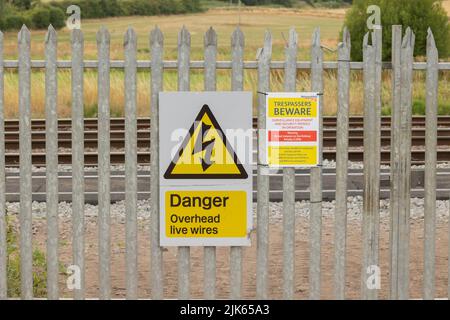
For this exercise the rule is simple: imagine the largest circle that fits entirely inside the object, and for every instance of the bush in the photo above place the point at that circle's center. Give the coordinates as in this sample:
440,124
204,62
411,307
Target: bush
253,2
22,4
191,5
54,13
41,18
2,9
114,8
139,7
332,4
92,9
170,7
15,22
417,14
57,17
286,3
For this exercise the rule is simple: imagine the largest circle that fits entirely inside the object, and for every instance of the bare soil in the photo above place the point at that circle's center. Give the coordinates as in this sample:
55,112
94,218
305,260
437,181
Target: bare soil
354,253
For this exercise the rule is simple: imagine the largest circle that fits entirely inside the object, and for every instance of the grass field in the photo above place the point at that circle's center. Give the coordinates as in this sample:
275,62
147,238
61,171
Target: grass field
254,22
446,4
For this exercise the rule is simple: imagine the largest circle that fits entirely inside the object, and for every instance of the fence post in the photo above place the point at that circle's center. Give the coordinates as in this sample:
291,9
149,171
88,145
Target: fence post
51,160
157,47
371,170
184,48
290,81
237,84
342,127
104,150
430,167
315,217
26,232
395,150
377,43
130,44
378,47
405,164
3,250
210,43
78,159
262,233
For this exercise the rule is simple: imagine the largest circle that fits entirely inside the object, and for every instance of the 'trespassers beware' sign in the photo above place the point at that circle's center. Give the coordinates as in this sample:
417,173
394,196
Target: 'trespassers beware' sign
292,129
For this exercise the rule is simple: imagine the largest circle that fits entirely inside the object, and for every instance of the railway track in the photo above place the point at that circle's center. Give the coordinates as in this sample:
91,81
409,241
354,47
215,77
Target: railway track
144,123
302,182
143,158
117,138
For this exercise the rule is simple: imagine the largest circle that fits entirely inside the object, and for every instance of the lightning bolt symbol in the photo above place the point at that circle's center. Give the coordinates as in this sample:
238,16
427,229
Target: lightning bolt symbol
202,145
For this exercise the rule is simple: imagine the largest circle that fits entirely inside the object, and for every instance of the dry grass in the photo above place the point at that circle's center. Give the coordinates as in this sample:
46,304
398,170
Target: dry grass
254,23
446,4
197,80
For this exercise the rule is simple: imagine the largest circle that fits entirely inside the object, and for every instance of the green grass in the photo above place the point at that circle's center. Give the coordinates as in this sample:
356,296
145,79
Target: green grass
419,109
13,272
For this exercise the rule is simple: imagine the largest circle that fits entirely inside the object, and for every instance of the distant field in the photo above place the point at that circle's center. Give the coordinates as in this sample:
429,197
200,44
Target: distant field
447,6
254,22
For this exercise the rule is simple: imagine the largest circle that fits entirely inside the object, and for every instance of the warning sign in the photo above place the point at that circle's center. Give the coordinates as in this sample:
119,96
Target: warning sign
205,153
293,129
206,213
206,156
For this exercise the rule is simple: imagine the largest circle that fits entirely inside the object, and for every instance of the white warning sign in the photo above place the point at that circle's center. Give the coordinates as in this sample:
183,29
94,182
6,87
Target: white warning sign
205,168
293,129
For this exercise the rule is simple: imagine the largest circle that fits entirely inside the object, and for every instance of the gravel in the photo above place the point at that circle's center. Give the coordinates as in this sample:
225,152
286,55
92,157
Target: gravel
355,205
68,168
329,164
69,150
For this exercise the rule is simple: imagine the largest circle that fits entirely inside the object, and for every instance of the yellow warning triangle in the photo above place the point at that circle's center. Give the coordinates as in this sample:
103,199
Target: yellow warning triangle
205,153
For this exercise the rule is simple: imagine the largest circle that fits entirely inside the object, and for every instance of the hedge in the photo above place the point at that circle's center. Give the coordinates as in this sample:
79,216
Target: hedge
115,8
286,3
41,18
417,14
55,12
14,22
57,17
37,18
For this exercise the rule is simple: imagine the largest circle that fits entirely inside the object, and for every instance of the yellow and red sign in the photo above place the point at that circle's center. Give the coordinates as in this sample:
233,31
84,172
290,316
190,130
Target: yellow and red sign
293,129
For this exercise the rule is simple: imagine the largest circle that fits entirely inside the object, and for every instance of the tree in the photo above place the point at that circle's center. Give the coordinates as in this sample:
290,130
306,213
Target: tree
417,14
2,8
22,4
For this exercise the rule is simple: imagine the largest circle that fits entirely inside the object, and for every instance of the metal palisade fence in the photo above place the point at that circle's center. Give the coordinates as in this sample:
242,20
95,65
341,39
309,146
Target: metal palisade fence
402,66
